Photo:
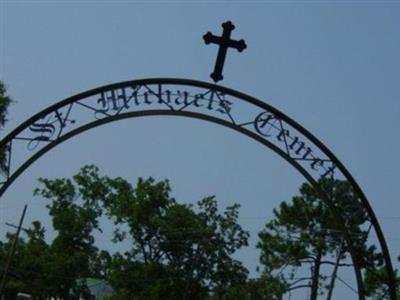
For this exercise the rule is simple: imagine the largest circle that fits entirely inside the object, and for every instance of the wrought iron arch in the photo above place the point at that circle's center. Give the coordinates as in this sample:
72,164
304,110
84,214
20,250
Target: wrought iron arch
200,100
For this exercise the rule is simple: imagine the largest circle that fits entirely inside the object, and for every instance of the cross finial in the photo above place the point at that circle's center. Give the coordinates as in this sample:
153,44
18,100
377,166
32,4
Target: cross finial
224,43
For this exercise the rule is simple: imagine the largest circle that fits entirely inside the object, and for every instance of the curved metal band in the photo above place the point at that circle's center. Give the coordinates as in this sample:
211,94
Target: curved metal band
239,95
193,115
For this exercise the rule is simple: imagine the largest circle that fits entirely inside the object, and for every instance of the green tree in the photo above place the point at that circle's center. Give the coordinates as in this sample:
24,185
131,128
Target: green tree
14,282
56,270
33,266
263,288
72,254
305,234
27,272
5,101
376,283
177,251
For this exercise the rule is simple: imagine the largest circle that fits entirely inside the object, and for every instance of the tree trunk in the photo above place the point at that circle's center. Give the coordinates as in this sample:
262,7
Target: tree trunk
334,272
315,276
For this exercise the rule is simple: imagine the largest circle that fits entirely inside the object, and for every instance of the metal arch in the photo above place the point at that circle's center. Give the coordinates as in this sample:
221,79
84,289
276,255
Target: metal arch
6,143
250,134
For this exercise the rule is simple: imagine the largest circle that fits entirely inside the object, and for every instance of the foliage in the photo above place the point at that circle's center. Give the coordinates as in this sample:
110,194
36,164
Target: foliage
306,232
176,252
376,283
55,269
180,251
29,263
72,253
14,282
5,101
263,288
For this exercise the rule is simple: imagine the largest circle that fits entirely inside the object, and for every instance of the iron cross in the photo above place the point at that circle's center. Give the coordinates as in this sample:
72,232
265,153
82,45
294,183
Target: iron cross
224,43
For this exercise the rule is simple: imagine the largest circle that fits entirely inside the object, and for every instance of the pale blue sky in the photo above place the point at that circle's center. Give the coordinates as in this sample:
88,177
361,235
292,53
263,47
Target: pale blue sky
332,66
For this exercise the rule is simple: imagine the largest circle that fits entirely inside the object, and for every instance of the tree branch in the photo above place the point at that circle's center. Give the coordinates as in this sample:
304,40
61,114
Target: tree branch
326,262
299,280
298,287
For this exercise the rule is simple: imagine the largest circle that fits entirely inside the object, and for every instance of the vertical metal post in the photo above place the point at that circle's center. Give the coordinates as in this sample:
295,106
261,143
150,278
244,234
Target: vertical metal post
12,250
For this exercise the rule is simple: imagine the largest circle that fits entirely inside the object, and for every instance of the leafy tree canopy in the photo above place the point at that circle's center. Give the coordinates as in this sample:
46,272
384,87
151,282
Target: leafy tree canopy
306,234
177,251
181,251
5,101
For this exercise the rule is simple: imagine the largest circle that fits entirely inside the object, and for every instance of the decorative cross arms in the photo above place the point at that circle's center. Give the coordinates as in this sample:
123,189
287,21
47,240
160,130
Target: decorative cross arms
224,43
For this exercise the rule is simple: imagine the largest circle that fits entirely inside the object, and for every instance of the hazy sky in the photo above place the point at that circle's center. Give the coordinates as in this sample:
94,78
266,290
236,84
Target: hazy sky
333,66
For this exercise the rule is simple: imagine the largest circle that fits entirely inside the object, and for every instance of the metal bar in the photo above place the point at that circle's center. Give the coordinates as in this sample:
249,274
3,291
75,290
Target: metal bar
12,251
245,98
